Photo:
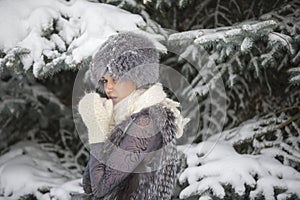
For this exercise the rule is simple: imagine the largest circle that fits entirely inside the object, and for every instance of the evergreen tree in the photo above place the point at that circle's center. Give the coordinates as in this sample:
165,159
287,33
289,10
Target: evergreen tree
240,59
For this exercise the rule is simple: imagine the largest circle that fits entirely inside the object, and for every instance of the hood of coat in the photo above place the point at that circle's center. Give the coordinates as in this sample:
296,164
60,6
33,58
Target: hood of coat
143,98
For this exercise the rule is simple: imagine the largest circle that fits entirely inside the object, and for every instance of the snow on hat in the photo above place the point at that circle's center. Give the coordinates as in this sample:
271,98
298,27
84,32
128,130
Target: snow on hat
127,56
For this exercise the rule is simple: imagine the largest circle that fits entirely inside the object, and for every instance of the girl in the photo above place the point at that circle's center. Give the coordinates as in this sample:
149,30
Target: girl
132,130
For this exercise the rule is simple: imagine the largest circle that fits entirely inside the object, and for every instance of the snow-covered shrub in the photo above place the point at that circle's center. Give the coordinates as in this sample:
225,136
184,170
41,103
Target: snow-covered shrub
26,169
46,37
216,170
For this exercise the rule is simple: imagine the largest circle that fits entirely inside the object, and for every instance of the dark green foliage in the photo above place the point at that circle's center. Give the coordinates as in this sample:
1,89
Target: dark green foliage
28,197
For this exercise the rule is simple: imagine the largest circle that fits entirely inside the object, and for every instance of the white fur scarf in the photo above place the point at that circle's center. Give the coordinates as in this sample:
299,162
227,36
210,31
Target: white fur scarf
143,98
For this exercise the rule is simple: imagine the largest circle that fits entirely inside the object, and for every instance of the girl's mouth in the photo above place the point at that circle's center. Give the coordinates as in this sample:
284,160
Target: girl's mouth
112,98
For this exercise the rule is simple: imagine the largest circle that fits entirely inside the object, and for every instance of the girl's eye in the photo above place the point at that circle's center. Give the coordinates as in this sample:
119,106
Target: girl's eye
103,81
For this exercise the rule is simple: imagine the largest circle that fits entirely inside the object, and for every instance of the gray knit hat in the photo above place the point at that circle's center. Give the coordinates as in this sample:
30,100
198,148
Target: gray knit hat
127,56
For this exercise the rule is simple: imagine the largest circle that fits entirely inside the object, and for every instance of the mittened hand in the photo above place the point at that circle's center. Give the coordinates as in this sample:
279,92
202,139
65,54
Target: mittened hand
96,113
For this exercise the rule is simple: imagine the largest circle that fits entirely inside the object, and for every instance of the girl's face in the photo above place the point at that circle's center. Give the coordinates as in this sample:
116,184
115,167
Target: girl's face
117,90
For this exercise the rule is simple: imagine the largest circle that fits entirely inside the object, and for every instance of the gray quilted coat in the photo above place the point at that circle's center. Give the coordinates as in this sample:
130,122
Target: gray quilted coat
142,159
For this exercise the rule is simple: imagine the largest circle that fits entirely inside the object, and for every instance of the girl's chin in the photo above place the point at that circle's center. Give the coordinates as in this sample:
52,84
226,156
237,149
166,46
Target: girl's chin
115,100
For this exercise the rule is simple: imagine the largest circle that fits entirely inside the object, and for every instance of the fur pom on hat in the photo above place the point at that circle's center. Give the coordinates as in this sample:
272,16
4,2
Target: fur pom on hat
127,56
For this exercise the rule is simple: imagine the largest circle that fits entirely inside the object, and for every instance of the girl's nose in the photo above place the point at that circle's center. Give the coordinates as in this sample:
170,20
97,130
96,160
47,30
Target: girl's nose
110,85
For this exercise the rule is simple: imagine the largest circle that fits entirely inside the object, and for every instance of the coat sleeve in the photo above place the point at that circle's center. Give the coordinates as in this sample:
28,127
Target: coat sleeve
139,140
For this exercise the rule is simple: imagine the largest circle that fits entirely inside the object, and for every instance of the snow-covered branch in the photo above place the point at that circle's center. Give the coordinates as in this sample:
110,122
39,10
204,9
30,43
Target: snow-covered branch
54,35
217,170
28,169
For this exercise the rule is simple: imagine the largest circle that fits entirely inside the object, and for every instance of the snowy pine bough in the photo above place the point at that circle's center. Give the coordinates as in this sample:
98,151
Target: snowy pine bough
258,158
224,168
216,170
55,35
28,169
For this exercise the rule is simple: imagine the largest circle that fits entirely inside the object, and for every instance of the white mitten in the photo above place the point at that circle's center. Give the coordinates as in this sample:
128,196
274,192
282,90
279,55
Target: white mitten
96,113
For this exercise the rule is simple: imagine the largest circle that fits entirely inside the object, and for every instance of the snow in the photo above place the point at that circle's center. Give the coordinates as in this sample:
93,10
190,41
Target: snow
246,44
236,34
246,131
69,31
186,35
213,165
27,169
64,191
283,39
